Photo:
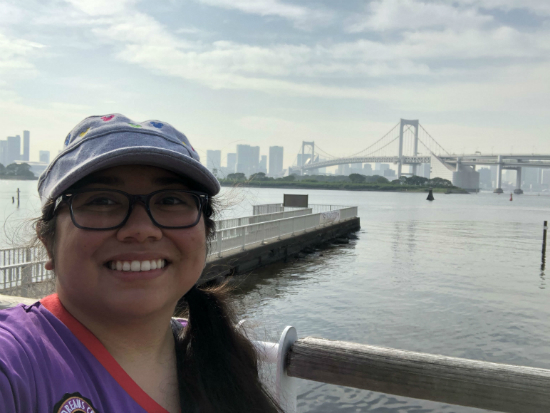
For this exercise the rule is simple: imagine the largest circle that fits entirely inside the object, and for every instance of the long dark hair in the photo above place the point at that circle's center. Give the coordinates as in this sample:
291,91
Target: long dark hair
217,363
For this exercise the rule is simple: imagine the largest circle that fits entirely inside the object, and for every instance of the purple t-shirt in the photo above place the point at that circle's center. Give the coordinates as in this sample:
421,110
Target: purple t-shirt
50,362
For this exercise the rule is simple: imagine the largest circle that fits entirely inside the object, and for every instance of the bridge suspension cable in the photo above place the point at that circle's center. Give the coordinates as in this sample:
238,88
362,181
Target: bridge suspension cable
319,149
433,140
375,143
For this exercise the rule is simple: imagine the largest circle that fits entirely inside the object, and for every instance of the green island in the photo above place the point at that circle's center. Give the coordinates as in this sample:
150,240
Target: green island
17,171
353,182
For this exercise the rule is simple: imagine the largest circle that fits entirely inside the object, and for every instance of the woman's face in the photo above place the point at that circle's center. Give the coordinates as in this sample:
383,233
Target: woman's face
86,280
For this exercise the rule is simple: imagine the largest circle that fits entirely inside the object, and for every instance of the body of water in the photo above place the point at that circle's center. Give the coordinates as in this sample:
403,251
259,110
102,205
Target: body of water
460,276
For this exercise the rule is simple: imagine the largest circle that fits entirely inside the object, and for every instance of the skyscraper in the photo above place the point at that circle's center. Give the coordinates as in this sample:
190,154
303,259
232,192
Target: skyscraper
26,145
248,159
213,160
44,156
262,167
231,162
4,152
14,149
275,160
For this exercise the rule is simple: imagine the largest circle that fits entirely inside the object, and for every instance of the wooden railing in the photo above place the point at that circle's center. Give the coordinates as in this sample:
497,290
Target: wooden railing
470,383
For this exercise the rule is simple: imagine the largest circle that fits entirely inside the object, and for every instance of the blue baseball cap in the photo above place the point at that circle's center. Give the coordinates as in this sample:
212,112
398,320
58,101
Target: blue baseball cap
101,142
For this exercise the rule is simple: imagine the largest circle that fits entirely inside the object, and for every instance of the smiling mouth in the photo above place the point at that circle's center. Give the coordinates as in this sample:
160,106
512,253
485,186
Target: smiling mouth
147,265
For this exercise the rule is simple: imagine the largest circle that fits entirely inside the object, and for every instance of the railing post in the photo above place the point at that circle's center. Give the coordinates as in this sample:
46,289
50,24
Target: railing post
220,244
285,386
280,230
244,236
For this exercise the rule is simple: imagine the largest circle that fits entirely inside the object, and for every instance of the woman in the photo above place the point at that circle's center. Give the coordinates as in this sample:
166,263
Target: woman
127,216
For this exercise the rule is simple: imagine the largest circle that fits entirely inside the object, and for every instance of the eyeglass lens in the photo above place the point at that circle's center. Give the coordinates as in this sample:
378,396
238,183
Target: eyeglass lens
106,209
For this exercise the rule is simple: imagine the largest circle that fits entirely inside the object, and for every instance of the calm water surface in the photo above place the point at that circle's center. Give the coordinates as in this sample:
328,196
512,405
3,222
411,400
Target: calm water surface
460,276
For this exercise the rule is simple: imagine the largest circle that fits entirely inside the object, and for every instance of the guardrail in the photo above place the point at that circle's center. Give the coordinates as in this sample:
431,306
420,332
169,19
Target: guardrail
471,383
240,237
254,219
273,208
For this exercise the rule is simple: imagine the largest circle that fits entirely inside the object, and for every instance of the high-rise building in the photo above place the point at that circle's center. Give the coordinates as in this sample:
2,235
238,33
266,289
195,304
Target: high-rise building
4,152
485,180
26,145
356,168
381,167
213,160
248,159
44,156
531,176
367,169
262,167
275,161
14,149
231,162
389,174
343,170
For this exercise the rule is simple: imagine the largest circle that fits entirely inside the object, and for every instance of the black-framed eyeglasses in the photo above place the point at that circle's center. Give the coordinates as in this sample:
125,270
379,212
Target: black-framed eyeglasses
104,209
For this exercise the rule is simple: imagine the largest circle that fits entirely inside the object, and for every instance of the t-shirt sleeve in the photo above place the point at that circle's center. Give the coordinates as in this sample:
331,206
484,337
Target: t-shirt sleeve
16,377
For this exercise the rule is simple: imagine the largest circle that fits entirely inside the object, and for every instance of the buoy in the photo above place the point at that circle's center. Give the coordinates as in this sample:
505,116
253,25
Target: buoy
511,198
430,195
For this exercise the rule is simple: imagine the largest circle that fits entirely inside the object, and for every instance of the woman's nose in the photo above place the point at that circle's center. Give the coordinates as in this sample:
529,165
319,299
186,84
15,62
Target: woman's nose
139,226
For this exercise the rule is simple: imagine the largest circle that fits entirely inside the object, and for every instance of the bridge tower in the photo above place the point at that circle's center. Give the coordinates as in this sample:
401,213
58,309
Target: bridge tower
413,123
312,146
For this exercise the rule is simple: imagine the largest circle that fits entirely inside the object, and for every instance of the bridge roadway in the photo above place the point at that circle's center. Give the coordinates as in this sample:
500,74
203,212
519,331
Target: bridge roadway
510,161
503,161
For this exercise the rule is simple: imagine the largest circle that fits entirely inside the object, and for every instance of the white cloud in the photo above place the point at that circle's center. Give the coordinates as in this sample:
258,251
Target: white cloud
16,57
402,15
541,7
303,17
101,7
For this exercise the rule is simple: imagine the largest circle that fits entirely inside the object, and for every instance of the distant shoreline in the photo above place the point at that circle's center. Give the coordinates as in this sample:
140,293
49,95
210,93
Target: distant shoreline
344,186
18,178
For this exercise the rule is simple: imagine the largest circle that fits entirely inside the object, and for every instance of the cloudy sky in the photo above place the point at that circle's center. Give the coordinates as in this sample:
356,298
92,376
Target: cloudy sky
476,73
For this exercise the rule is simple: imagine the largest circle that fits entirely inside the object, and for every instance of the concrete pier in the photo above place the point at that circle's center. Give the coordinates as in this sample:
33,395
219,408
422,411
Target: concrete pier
262,254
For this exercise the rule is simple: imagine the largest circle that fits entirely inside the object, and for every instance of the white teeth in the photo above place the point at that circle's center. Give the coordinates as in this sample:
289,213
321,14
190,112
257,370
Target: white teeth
137,265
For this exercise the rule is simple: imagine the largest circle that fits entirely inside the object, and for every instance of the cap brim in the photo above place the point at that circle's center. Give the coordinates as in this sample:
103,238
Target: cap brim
89,158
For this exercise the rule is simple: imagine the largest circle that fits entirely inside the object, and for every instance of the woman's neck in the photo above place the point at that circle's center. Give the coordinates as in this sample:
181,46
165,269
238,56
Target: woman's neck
143,346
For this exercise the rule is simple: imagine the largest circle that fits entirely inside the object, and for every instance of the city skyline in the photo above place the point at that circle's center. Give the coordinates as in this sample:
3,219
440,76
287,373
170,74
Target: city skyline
276,72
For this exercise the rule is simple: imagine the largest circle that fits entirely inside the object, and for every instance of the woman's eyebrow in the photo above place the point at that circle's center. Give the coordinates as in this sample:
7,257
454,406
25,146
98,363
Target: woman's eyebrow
102,180
168,180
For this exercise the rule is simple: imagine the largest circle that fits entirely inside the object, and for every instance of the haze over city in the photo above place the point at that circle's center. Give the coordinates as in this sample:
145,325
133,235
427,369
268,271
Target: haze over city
273,73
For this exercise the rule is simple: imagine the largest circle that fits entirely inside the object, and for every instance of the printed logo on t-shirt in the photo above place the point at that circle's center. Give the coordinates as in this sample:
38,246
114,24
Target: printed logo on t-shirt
74,403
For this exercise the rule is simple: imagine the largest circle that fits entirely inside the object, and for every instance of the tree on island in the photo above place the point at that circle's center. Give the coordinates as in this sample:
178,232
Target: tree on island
357,178
259,176
289,178
440,183
22,170
238,176
416,180
376,179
